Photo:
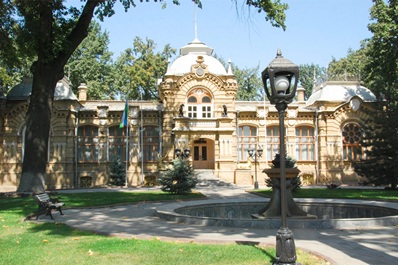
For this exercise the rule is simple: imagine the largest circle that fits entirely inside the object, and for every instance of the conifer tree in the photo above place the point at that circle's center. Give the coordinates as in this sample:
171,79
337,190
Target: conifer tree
179,179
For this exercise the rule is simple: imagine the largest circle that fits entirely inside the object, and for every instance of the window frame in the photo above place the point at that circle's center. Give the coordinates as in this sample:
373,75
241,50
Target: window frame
350,150
90,143
151,149
117,144
199,104
305,143
250,142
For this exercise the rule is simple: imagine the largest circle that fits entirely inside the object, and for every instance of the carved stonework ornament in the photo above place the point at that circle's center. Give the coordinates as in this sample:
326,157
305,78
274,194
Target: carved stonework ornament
200,67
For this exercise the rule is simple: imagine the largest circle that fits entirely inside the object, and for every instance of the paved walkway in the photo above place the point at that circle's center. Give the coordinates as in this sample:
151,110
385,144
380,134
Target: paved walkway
345,246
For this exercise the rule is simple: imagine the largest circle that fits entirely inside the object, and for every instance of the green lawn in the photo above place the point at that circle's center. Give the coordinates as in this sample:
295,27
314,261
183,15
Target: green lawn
53,243
345,193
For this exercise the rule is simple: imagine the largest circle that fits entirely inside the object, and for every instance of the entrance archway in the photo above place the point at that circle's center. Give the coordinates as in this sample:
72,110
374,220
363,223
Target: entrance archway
203,154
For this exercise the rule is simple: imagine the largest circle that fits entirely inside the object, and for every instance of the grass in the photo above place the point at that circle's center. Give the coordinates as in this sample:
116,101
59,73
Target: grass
345,193
54,243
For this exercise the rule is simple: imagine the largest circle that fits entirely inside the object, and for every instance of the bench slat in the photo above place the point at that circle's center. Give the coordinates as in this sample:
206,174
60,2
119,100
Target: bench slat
46,205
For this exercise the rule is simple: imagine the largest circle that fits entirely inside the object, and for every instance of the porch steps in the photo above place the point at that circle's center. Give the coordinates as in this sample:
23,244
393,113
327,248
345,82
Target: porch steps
207,179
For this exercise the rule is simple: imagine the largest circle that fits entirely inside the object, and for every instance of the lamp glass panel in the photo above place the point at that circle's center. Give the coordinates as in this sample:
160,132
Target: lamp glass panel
281,84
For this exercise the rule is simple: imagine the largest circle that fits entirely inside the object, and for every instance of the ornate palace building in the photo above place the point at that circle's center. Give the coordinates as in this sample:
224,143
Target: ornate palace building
197,110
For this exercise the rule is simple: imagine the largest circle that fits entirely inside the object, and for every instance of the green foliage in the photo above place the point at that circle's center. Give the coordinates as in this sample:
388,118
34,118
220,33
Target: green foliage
91,63
382,64
179,179
274,9
138,69
31,242
380,166
250,86
381,77
117,172
49,32
345,193
310,76
349,68
290,163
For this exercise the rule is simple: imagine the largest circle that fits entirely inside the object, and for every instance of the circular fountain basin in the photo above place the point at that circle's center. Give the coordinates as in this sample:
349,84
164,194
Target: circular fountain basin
331,214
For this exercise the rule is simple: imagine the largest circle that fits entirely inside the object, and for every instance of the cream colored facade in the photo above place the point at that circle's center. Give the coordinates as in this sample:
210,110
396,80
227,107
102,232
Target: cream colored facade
197,110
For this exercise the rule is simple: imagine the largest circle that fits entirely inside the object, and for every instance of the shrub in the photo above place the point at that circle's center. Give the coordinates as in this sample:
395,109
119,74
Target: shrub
117,175
179,179
290,163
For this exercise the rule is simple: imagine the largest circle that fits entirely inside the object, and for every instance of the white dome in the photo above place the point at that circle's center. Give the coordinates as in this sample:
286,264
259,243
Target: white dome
341,91
188,57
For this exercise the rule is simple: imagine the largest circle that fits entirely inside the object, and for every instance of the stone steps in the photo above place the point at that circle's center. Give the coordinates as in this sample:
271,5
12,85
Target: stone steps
207,179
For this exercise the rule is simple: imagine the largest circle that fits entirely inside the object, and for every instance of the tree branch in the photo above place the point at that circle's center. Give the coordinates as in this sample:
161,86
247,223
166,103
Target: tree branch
79,32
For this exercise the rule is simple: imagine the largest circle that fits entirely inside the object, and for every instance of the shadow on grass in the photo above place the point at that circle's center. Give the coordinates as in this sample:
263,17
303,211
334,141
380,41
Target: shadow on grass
255,244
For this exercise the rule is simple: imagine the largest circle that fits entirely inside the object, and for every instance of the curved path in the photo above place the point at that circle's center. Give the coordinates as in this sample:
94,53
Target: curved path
344,246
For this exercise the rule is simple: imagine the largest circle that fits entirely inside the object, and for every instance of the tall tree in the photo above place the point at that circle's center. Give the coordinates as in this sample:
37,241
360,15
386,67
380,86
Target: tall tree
139,68
92,64
349,67
52,31
381,76
310,76
250,86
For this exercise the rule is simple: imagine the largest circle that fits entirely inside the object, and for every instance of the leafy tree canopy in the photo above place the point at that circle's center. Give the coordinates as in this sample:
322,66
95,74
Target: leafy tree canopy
310,76
139,68
381,76
250,86
49,31
91,63
349,67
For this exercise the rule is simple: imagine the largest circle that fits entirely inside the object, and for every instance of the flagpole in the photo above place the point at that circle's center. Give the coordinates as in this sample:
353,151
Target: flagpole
127,148
142,143
125,123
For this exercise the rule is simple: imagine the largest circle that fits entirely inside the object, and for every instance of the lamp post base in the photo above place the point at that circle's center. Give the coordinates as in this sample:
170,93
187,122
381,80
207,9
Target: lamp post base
285,247
256,185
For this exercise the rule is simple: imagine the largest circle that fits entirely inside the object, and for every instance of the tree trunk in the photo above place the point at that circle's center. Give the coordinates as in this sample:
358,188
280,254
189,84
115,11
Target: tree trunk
38,123
47,70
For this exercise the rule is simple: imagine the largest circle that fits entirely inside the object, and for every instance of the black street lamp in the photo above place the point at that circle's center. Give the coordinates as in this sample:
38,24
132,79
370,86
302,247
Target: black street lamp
182,155
280,80
254,154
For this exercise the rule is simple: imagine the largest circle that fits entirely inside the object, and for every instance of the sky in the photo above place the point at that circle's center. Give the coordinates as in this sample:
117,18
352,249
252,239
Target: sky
317,30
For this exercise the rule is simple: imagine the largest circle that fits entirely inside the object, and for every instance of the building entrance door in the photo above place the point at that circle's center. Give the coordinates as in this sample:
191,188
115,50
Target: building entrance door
203,154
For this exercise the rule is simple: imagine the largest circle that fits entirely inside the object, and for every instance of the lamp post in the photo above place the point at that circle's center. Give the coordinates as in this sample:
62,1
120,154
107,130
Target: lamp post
182,155
280,80
254,154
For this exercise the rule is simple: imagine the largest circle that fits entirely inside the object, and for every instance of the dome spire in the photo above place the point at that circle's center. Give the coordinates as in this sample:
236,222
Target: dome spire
195,21
229,71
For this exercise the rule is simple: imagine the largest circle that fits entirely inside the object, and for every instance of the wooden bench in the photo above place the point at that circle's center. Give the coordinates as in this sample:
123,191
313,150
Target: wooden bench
47,204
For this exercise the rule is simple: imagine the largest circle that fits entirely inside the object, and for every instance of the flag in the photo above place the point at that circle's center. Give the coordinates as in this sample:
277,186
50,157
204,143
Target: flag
125,115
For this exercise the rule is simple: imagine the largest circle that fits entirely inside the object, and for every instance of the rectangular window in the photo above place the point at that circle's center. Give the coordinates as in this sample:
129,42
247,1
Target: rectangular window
88,147
305,143
151,143
247,139
117,143
272,142
192,112
206,111
196,153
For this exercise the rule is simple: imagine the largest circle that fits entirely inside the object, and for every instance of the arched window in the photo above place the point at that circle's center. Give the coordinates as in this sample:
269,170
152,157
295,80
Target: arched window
88,147
247,140
305,143
352,135
117,143
151,143
199,104
272,142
